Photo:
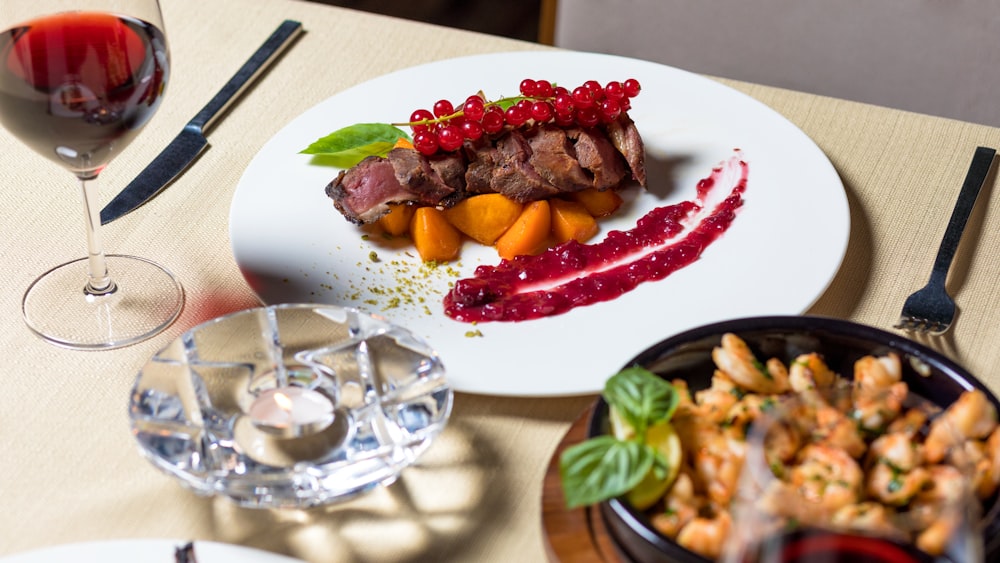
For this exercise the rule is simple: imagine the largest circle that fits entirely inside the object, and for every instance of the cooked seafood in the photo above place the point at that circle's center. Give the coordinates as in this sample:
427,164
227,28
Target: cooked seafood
853,455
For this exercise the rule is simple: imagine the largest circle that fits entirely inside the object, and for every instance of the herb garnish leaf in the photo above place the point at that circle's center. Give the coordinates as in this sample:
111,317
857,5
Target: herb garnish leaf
605,466
641,397
350,145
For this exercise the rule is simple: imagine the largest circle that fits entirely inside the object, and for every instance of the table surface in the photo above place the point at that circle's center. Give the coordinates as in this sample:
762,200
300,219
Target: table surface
70,471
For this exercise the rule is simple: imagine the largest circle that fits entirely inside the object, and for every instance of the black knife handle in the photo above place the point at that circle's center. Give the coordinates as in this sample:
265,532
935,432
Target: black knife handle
250,70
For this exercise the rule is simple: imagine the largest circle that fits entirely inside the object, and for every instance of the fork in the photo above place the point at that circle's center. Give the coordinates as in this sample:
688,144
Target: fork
930,310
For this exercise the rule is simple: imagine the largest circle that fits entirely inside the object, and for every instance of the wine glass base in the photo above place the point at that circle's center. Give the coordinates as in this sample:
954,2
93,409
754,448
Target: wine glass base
147,300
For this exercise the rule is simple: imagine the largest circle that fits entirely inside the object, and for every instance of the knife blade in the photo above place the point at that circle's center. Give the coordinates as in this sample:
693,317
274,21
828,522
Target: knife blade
191,142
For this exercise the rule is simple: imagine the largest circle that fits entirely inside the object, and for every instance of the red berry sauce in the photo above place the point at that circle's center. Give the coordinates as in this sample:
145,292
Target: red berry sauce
574,274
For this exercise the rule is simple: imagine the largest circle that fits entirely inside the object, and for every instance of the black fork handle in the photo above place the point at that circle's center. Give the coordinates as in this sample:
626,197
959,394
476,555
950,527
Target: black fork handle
982,162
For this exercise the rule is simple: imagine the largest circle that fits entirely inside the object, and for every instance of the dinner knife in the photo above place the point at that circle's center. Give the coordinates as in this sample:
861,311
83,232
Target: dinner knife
191,141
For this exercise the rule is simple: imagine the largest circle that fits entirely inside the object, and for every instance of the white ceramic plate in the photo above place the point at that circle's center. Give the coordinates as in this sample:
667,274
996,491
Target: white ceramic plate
147,550
778,257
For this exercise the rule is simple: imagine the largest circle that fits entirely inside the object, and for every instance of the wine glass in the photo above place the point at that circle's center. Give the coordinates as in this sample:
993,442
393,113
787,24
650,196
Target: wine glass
78,80
824,506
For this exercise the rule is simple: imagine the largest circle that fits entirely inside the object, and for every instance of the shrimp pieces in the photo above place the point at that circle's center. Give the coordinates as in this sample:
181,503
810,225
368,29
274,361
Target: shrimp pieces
939,508
681,506
827,477
714,403
835,429
866,517
876,408
809,372
706,535
971,417
735,358
878,372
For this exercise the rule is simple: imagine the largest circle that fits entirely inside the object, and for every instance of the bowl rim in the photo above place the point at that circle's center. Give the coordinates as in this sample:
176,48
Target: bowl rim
639,523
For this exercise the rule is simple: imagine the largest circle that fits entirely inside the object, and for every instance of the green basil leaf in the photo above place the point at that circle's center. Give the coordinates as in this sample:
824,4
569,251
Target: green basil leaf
350,145
641,397
602,468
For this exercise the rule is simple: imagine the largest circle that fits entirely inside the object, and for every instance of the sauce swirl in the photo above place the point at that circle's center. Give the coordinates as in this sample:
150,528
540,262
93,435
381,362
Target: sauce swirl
573,274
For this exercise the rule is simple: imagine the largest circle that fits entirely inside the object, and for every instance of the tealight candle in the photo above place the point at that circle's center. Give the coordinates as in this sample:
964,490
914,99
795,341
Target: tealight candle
291,411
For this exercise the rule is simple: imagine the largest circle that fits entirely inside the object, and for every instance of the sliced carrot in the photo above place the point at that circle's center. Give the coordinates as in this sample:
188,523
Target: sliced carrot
598,203
571,220
397,221
528,233
436,240
484,217
402,143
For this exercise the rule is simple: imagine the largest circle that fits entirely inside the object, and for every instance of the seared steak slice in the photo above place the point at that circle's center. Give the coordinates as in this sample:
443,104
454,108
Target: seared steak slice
625,137
414,171
450,170
598,156
553,158
483,159
513,176
362,193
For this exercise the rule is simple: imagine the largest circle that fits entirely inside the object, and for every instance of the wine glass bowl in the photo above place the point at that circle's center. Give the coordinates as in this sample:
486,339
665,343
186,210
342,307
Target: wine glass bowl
688,356
78,81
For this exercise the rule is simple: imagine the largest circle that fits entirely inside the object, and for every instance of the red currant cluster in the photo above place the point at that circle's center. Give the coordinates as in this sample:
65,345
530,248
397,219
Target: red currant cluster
446,127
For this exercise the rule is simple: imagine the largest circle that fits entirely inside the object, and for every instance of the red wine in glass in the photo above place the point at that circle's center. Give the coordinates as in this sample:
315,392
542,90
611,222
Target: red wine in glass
77,87
819,546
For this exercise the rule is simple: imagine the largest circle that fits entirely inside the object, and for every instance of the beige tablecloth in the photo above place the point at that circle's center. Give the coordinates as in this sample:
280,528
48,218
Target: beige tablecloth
69,469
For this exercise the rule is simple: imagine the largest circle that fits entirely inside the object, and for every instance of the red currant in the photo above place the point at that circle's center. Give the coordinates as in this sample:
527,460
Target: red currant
565,119
588,116
541,111
563,104
493,120
582,98
528,87
450,137
474,108
420,115
595,88
610,109
443,108
614,90
472,130
543,89
425,142
631,87
515,116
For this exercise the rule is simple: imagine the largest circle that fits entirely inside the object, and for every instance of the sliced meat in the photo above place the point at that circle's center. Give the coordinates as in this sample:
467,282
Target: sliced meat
362,193
483,159
513,176
553,158
414,171
450,170
598,156
625,137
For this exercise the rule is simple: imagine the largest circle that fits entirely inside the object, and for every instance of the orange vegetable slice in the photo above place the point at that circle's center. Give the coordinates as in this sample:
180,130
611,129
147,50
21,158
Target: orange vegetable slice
571,220
484,217
435,238
529,232
397,221
598,203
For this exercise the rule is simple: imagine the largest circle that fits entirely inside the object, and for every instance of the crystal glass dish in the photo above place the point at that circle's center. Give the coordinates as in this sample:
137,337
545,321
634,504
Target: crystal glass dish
289,406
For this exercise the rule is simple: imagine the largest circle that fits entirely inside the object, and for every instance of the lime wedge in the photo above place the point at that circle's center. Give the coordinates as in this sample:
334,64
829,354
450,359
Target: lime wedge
665,440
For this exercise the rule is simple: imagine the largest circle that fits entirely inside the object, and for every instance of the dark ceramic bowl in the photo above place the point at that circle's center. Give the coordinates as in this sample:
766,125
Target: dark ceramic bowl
688,355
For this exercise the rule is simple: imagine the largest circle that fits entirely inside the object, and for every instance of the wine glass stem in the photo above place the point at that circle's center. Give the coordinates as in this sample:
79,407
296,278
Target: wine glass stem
100,282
